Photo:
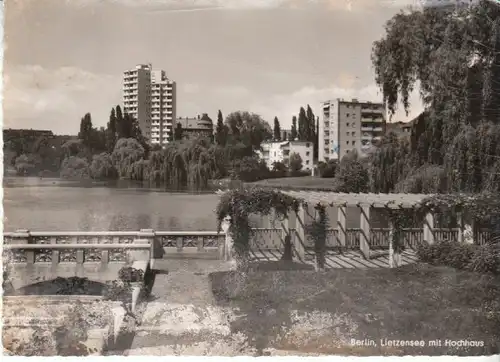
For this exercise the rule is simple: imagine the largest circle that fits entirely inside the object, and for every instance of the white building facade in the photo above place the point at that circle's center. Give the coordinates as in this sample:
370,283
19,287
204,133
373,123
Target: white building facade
349,125
282,150
150,97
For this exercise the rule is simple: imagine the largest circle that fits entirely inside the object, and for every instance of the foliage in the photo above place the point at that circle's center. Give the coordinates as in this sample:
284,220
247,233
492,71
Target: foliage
389,163
240,204
249,169
130,275
248,128
27,164
327,169
75,167
453,57
294,132
279,169
277,129
102,167
482,259
220,130
295,163
126,152
427,179
352,176
486,259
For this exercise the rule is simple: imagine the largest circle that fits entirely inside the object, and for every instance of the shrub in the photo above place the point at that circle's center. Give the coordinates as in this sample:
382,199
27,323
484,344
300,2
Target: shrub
486,259
327,169
483,259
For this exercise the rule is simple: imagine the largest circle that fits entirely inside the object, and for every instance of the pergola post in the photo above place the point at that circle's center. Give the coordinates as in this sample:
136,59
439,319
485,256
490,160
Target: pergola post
286,238
229,242
364,240
394,257
300,232
429,228
341,226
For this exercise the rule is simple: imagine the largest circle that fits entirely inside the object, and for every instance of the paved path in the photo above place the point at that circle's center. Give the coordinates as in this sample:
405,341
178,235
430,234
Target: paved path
182,318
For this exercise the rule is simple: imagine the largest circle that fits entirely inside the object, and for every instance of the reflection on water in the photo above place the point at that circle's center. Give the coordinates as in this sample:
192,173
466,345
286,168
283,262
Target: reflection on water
41,205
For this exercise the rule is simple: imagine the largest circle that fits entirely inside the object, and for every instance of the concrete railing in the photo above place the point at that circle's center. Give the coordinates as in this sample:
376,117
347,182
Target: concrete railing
31,263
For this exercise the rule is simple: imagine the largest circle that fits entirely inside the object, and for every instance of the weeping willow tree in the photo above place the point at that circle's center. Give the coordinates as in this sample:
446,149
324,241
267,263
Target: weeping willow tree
127,151
454,58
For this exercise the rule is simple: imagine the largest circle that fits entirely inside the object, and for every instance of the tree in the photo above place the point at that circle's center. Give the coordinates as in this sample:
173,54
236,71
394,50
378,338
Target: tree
102,167
75,168
352,176
248,128
27,164
111,133
178,132
454,57
389,164
86,129
220,130
295,162
303,131
119,122
311,125
293,132
249,169
280,168
277,129
126,152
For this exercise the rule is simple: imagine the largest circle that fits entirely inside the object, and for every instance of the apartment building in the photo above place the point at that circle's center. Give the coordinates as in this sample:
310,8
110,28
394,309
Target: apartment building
196,126
280,151
150,97
349,125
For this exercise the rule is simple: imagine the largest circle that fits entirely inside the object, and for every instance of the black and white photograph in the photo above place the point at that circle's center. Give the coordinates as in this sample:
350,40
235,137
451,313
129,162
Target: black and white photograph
251,178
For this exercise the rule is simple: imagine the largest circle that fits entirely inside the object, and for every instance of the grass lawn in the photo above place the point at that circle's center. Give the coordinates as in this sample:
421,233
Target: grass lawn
415,302
302,183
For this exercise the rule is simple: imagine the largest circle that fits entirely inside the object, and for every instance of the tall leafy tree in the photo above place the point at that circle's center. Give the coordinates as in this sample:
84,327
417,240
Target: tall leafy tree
220,130
311,124
277,129
294,132
111,132
303,131
85,133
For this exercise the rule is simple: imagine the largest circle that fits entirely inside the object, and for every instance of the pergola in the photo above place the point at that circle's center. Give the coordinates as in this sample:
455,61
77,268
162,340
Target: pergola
365,202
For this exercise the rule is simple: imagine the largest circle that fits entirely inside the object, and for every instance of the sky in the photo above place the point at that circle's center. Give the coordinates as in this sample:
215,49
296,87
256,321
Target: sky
64,58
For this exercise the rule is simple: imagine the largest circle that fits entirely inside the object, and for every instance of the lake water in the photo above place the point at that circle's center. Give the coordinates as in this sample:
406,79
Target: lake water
53,205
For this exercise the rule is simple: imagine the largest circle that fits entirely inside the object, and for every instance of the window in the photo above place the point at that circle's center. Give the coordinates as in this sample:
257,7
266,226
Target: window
347,133
353,143
347,151
347,142
347,124
307,162
347,115
307,153
354,133
307,145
